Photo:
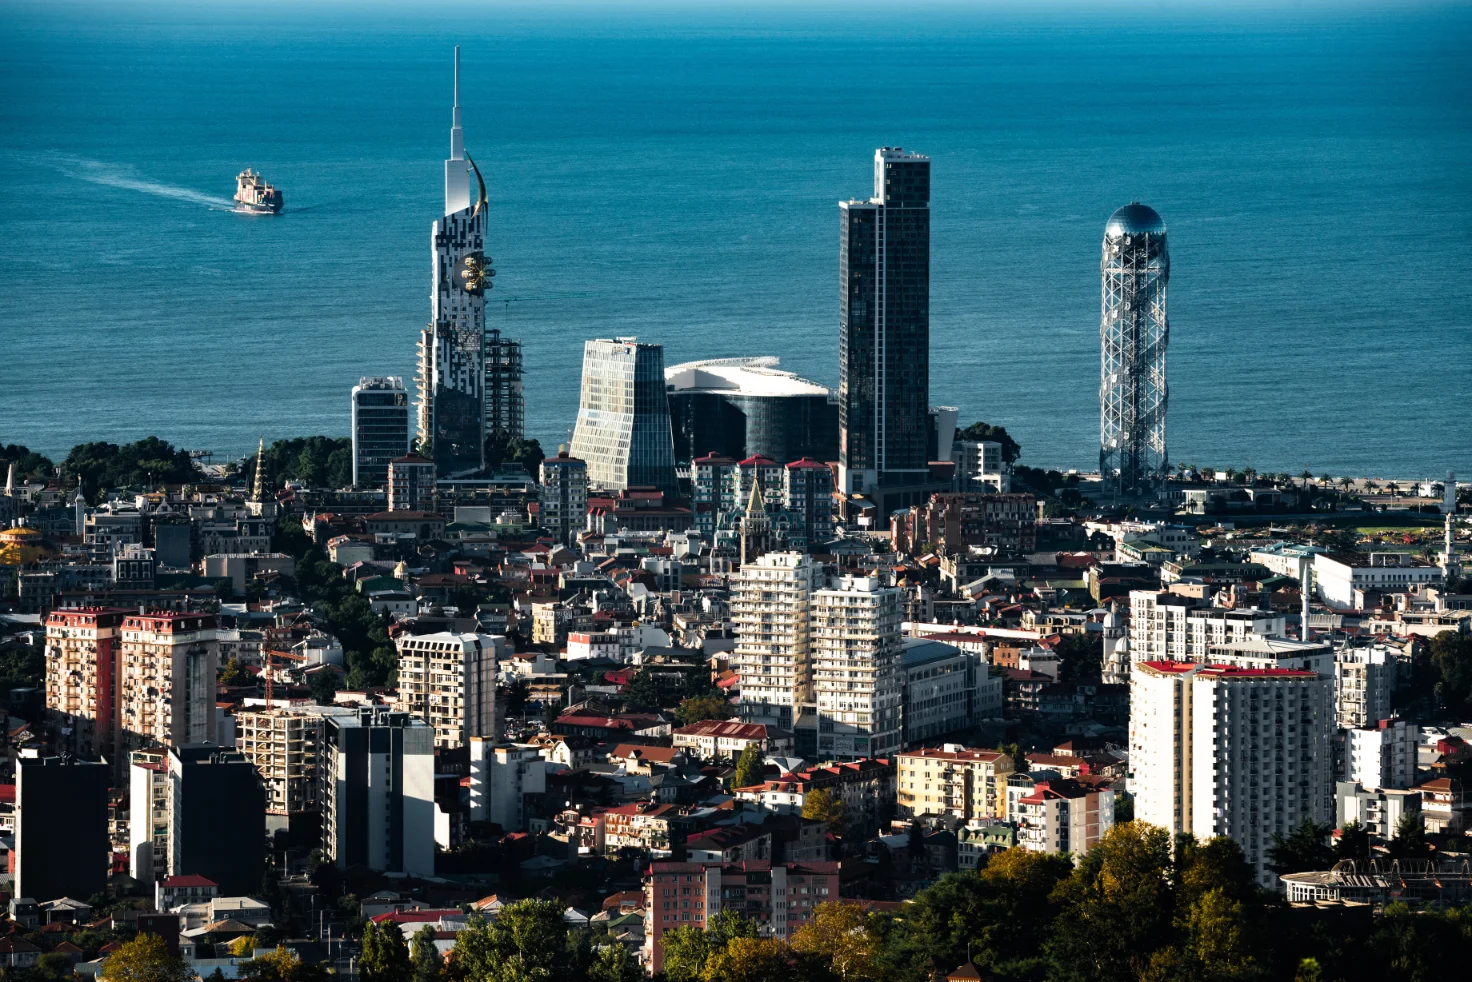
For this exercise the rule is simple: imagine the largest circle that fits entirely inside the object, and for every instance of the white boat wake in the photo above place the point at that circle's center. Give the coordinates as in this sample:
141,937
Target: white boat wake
125,177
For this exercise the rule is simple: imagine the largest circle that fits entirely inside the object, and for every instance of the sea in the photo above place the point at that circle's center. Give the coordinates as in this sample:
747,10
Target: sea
673,171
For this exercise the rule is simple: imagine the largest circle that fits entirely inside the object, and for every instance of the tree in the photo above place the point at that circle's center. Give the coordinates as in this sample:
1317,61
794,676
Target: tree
27,462
424,958
316,461
502,448
748,960
234,674
1409,841
841,935
1080,657
1302,850
1219,938
644,691
1354,842
385,954
749,767
822,805
698,708
1117,907
281,965
688,949
150,461
324,685
1011,449
613,963
145,959
1451,665
528,940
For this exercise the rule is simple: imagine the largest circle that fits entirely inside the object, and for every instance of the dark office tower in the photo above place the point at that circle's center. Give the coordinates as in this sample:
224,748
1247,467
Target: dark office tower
623,427
1133,333
505,406
884,327
380,428
61,843
217,818
452,357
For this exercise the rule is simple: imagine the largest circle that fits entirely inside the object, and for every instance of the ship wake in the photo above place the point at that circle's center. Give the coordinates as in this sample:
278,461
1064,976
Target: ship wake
127,178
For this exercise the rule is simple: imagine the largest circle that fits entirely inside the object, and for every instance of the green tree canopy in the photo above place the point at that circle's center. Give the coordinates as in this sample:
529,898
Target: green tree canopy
148,462
822,805
316,461
145,959
1011,449
697,708
1305,848
385,954
27,462
503,448
749,768
424,958
527,940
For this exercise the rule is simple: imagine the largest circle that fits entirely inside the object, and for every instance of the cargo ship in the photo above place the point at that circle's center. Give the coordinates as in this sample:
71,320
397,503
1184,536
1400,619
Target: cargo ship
253,194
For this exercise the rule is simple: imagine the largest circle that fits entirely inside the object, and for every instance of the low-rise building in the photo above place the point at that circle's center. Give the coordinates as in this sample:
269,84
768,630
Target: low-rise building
1379,810
725,740
952,780
1063,816
1344,579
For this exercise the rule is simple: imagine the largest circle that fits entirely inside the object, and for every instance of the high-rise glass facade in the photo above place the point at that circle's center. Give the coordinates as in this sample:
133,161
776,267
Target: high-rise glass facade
884,326
623,427
380,428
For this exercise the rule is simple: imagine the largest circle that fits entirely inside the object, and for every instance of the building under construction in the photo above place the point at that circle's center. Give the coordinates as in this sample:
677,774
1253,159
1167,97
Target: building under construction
1133,333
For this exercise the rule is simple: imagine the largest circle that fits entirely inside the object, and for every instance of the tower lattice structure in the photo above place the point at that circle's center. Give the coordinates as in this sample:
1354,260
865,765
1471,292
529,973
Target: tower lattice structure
1133,334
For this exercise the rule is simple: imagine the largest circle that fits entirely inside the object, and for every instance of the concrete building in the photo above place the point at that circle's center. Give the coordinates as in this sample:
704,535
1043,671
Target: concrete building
807,495
884,330
82,680
411,483
1379,810
1284,558
564,497
500,779
217,818
771,609
451,358
505,399
148,815
947,690
952,780
713,739
858,678
1063,817
742,407
1364,682
449,681
286,746
623,425
779,897
1172,626
1239,752
168,661
1342,580
980,467
61,841
380,428
953,524
1382,754
241,568
378,792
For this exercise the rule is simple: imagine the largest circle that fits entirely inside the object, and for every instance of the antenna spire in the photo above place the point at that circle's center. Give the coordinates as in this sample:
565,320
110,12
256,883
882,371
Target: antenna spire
457,136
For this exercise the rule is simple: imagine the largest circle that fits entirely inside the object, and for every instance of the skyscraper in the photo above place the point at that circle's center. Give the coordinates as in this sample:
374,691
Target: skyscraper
380,428
884,328
623,427
770,603
452,361
505,406
1133,332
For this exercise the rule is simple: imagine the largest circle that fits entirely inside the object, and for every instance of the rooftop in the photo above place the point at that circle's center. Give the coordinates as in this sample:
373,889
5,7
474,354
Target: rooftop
740,376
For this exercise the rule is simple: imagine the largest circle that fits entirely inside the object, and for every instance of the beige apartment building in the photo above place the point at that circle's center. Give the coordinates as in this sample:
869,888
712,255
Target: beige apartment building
953,779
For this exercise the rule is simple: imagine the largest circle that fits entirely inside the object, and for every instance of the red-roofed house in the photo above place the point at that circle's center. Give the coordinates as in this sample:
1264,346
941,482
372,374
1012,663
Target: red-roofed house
176,891
712,739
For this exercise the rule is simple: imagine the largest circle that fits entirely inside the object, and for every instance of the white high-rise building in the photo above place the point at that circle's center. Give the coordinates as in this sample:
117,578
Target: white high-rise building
858,678
449,681
1364,681
1171,626
771,600
1240,752
1382,754
377,792
500,779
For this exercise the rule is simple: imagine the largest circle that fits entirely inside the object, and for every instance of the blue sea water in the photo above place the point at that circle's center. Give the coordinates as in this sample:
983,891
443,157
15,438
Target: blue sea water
673,172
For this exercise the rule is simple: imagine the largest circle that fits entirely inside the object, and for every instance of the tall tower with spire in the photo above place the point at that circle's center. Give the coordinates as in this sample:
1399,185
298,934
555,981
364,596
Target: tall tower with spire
451,373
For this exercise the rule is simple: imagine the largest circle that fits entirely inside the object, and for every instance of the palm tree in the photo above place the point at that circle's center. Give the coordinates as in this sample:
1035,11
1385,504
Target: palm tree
1438,490
1305,475
1209,473
1345,483
1232,475
1325,479
1393,488
1249,475
1371,485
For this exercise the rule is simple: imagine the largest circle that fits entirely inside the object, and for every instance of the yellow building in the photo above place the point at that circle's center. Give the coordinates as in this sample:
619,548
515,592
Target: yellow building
953,779
19,546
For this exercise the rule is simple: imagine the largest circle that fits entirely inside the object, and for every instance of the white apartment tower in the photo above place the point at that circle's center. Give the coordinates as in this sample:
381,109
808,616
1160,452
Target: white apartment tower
771,601
858,679
449,681
1382,754
1364,681
1171,626
500,779
1239,752
564,497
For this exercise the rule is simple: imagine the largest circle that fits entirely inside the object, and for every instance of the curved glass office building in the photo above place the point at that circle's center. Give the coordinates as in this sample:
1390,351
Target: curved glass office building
740,407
